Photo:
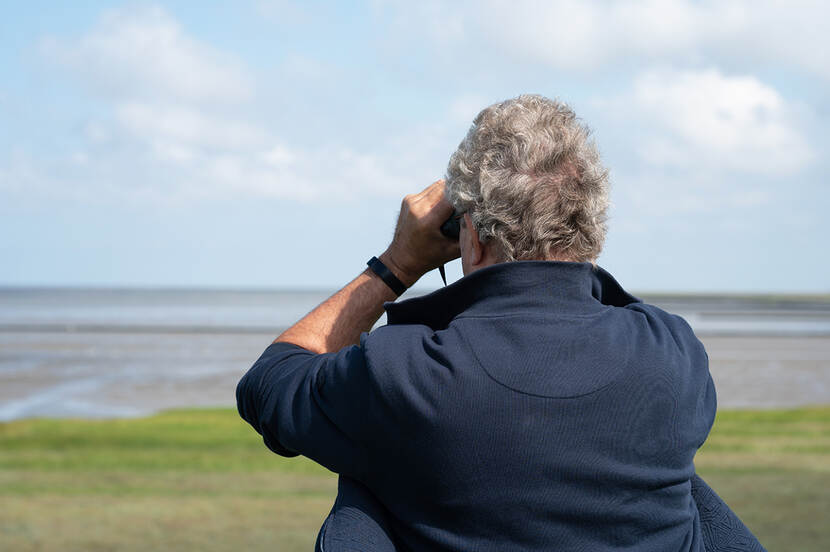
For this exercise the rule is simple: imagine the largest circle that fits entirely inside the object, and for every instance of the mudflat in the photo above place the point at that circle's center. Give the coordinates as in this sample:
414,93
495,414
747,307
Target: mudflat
769,371
126,373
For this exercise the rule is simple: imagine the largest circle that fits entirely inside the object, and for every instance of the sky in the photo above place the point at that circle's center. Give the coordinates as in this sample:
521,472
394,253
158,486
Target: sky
268,144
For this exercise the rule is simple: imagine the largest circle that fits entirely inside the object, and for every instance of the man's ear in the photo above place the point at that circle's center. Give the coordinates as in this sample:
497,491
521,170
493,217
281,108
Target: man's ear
477,249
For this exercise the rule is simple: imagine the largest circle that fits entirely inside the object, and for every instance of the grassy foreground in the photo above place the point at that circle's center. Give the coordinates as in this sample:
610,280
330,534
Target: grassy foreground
202,480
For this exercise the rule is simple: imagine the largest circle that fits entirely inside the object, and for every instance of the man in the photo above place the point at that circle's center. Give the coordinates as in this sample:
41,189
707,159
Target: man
532,405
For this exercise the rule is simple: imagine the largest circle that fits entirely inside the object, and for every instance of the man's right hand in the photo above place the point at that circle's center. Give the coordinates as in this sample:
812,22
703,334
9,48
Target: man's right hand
418,245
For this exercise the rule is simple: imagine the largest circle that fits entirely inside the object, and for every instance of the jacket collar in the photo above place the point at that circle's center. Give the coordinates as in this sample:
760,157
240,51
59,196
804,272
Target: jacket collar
522,287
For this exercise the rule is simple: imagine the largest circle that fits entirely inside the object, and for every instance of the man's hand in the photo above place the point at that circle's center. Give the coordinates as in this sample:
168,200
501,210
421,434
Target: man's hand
418,245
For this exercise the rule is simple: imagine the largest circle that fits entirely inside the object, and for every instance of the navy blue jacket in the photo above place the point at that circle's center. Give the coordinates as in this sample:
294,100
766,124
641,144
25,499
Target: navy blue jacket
529,406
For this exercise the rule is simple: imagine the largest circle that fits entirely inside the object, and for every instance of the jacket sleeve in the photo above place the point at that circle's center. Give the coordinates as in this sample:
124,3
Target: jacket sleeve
309,404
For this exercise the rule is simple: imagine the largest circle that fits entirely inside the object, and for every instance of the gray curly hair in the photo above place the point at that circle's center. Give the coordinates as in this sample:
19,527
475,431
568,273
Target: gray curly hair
532,181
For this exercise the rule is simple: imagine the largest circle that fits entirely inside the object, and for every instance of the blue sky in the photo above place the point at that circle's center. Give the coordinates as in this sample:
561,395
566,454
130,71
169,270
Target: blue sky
268,144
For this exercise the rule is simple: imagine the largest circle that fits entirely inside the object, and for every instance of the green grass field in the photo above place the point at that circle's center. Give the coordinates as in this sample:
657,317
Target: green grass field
203,480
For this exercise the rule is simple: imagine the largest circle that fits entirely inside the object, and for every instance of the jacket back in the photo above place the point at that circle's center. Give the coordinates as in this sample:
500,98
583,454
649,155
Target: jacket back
529,406
546,409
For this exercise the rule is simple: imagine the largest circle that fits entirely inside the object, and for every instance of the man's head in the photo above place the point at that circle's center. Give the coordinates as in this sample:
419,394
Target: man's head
531,183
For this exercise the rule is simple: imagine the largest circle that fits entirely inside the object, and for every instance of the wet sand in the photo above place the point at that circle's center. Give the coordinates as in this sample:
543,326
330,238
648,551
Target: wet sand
769,371
90,374
85,374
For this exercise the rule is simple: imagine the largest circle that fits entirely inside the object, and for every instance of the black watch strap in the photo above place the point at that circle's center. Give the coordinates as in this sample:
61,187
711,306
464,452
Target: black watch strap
386,275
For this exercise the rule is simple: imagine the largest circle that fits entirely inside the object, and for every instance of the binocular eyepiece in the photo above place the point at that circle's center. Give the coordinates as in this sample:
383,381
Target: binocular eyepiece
452,226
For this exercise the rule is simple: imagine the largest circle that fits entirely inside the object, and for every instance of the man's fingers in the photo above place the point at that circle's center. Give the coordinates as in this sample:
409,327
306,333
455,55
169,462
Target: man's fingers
418,243
436,188
436,199
430,203
431,191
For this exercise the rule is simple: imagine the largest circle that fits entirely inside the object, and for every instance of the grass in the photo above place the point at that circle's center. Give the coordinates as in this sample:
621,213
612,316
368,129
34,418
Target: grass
773,469
180,480
202,479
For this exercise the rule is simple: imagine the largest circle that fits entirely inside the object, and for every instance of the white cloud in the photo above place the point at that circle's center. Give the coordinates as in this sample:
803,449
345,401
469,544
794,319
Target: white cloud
214,156
574,34
181,113
686,144
707,119
320,175
279,156
164,125
296,66
177,126
585,35
145,53
155,167
651,193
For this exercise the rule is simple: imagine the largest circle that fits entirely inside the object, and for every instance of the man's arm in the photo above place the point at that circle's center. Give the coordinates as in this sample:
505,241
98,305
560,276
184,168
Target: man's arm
310,392
417,247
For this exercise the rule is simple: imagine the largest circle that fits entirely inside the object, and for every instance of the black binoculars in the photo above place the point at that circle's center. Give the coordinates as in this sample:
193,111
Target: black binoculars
452,226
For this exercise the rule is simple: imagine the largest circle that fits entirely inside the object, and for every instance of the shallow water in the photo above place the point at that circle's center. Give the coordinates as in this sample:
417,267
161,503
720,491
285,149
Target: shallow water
113,353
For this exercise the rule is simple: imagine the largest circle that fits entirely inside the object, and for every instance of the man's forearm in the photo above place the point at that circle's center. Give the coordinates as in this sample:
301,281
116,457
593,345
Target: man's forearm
416,248
340,319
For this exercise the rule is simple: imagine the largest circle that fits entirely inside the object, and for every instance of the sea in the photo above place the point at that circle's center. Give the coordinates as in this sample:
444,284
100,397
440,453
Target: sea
102,353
